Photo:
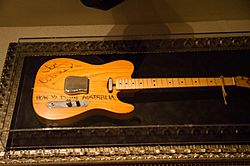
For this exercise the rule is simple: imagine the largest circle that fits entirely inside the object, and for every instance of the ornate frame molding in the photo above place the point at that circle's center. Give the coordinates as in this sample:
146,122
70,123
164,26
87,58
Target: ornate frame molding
230,154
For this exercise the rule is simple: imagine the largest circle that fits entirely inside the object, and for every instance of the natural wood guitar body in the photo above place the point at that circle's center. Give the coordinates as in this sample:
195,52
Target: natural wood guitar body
49,86
66,90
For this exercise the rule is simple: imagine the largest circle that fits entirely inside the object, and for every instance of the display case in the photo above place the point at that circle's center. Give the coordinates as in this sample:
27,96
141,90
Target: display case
176,122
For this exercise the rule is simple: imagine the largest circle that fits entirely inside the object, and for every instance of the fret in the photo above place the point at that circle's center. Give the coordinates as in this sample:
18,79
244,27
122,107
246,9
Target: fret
129,83
202,82
215,81
218,81
118,85
153,82
170,82
148,83
158,82
227,81
144,82
195,81
122,81
141,83
136,83
125,83
211,81
189,82
182,82
132,84
122,85
162,83
175,82
207,81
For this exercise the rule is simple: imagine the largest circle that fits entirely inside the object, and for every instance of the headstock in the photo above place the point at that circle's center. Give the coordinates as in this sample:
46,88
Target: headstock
242,81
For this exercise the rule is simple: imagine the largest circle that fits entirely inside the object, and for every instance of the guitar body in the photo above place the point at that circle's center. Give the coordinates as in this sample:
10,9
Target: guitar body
50,82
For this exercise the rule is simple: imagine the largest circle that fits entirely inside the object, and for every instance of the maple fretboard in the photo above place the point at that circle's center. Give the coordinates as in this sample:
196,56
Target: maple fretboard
149,83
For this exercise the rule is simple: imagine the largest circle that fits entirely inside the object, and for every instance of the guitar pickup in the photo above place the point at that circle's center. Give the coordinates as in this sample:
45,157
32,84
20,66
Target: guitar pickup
74,85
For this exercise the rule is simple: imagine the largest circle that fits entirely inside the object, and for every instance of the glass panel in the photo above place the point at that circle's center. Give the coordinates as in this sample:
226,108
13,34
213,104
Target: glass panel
161,116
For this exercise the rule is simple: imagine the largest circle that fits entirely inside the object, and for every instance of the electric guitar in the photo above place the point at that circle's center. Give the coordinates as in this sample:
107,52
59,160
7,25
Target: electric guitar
66,89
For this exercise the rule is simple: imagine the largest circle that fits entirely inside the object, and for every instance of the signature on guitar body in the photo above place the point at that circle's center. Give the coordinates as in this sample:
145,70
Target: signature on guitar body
66,90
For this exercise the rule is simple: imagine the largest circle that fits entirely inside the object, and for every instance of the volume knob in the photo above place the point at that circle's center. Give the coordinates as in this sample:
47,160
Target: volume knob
69,104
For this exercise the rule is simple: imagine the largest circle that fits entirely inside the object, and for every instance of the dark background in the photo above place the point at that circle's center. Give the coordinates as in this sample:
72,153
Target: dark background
166,107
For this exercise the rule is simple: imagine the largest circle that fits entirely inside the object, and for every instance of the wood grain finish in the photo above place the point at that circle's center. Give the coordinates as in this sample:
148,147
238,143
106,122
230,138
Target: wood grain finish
49,86
150,83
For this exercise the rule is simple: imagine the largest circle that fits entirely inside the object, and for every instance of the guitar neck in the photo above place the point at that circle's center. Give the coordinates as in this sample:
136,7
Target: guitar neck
152,83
